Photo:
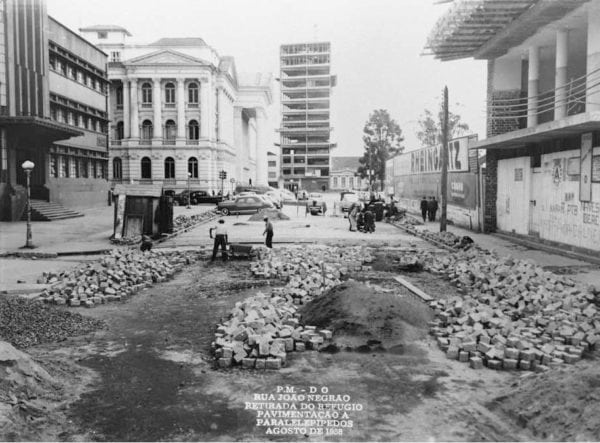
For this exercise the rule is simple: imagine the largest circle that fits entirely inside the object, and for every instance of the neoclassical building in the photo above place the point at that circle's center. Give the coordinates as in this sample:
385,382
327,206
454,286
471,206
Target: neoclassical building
181,112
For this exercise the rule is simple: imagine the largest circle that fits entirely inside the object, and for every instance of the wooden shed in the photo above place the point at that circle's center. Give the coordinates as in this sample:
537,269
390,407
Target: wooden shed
136,207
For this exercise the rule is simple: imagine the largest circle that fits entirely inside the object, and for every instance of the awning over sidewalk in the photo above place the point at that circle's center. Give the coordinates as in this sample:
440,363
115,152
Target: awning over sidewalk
569,126
40,128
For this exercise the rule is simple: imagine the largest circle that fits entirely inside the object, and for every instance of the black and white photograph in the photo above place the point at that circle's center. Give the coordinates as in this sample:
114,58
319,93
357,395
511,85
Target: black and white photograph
299,220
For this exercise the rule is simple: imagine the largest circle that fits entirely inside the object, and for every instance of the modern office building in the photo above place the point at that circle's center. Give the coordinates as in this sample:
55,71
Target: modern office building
181,114
543,113
305,131
52,113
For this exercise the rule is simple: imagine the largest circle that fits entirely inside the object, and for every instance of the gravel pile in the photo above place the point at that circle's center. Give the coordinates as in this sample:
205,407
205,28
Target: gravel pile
25,323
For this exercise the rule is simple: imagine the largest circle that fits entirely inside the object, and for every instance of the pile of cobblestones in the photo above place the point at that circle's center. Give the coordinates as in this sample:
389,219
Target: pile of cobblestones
187,221
512,314
261,330
117,275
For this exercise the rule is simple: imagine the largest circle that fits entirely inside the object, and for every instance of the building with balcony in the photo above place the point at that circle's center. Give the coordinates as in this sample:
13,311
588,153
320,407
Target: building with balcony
180,111
543,113
52,112
305,131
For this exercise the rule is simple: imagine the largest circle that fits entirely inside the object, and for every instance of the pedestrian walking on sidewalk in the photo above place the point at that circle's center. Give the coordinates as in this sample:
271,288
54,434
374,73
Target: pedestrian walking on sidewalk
432,208
220,240
424,208
269,231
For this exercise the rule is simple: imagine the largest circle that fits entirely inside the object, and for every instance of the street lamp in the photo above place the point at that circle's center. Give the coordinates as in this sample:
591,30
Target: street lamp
189,194
28,167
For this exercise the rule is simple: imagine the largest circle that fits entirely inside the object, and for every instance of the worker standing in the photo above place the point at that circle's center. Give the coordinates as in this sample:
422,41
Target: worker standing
220,240
269,231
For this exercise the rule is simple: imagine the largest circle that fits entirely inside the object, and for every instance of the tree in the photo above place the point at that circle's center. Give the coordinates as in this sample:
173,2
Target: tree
431,129
382,140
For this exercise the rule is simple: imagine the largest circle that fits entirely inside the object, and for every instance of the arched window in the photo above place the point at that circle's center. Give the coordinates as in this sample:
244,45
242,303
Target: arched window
117,168
147,130
147,93
120,132
193,94
170,130
170,93
193,130
146,167
169,167
119,96
193,167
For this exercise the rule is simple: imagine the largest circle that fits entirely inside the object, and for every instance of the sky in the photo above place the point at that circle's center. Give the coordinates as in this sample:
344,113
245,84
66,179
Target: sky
376,51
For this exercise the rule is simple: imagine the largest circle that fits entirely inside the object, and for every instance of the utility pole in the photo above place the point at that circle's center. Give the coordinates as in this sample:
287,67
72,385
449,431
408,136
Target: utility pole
444,160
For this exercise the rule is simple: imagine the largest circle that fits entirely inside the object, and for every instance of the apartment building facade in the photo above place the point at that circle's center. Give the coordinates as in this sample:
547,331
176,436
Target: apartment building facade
44,105
306,83
543,114
181,113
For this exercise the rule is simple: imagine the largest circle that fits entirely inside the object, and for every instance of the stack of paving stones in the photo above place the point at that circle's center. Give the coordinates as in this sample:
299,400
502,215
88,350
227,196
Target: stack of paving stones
116,276
309,271
184,221
262,329
512,314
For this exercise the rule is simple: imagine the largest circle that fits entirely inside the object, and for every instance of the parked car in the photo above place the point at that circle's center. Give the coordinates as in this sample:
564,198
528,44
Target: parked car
316,204
276,197
247,204
288,196
348,198
196,197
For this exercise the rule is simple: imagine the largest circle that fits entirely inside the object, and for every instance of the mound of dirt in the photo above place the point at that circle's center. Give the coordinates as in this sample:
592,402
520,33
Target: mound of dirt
25,322
364,319
559,405
273,214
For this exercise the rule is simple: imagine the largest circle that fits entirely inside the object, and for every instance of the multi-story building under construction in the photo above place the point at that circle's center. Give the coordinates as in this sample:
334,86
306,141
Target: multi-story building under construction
306,83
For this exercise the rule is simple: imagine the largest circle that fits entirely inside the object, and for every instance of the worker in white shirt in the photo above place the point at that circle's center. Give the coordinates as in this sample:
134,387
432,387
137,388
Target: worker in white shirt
220,239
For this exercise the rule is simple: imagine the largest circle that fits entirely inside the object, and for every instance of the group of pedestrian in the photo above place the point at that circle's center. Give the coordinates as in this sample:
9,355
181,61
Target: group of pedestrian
429,209
221,237
361,219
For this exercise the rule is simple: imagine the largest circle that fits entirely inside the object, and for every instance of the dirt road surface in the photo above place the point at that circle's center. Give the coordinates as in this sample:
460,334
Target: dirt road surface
150,376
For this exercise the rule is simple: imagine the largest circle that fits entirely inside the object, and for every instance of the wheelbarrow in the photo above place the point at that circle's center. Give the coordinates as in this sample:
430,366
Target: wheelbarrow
237,250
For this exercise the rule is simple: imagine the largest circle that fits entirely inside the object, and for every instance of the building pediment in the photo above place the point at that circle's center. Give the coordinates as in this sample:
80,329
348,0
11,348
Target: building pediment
166,57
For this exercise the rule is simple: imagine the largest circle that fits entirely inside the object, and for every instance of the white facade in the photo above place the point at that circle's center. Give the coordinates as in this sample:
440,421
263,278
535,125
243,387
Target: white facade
179,110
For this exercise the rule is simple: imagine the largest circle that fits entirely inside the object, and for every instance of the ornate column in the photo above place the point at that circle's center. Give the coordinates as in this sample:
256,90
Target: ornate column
180,109
562,57
532,92
593,59
157,108
241,156
135,120
205,108
126,116
262,176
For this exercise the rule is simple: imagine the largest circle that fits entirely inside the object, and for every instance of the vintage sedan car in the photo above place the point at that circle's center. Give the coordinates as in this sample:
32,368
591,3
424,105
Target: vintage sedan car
196,197
247,204
348,199
316,204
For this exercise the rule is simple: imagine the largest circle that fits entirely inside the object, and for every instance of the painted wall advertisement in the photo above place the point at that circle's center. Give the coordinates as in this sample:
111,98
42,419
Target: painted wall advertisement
430,159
